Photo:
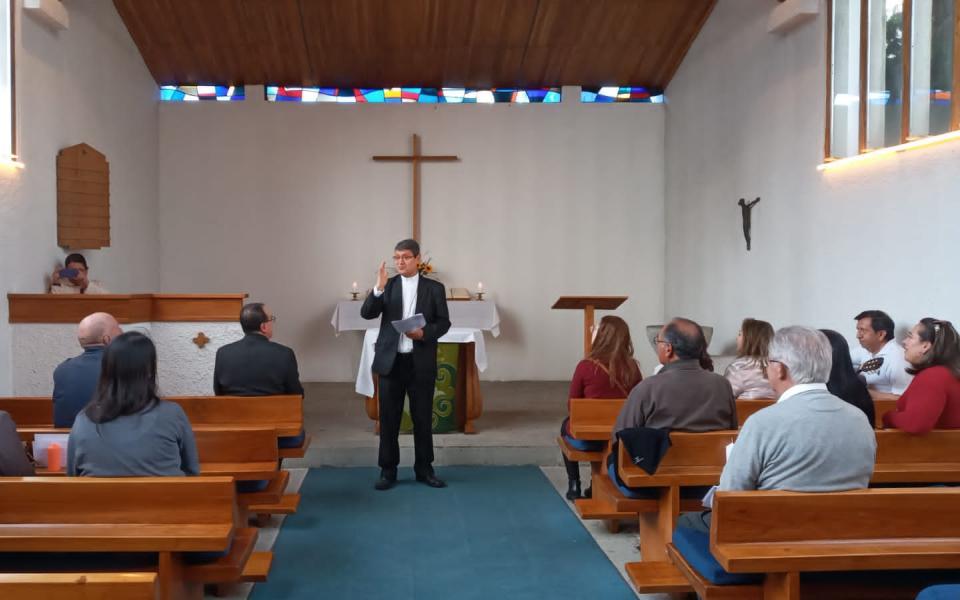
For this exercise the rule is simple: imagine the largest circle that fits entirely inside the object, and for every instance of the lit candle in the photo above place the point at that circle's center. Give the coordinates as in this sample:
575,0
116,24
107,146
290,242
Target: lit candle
354,286
480,286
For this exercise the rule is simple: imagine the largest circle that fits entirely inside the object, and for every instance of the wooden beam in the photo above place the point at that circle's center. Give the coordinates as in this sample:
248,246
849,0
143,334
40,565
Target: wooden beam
955,89
828,108
905,92
864,38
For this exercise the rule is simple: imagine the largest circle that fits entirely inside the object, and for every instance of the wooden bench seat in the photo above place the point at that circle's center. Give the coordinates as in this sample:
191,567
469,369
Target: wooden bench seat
78,586
165,516
782,534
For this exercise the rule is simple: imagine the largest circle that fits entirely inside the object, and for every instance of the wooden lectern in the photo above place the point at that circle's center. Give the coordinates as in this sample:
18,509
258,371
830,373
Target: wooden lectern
588,304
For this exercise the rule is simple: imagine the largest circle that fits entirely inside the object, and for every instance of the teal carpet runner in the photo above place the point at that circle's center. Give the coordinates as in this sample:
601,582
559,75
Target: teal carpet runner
495,532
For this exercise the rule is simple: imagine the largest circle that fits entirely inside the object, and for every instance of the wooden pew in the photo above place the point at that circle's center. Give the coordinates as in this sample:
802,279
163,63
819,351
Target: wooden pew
29,411
79,586
282,413
783,534
165,516
906,458
882,404
244,453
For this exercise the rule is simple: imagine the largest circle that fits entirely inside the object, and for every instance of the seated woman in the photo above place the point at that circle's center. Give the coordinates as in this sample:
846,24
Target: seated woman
745,374
127,430
14,461
843,382
609,372
932,400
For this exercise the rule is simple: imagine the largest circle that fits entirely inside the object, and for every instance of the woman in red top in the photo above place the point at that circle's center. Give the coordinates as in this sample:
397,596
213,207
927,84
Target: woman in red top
609,372
932,400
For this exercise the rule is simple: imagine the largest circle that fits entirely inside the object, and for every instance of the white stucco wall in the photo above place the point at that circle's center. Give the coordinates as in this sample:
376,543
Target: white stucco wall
86,84
283,201
746,118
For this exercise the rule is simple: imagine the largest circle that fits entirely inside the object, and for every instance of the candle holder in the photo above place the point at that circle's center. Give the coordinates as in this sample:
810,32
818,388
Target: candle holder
355,295
480,294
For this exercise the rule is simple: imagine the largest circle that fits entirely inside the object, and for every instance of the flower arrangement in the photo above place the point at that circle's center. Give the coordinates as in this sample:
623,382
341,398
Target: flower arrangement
425,268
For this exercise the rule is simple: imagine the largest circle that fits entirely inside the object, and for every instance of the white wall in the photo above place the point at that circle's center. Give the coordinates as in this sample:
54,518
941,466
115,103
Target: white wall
746,119
86,84
283,201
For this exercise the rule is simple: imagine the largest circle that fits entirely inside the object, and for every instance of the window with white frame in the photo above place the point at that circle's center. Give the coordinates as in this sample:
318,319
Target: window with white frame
893,73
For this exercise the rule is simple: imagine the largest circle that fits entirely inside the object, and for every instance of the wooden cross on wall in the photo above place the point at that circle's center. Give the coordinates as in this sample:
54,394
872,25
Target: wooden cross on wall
416,158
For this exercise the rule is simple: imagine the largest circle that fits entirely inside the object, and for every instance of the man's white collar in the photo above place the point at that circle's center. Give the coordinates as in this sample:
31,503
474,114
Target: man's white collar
801,388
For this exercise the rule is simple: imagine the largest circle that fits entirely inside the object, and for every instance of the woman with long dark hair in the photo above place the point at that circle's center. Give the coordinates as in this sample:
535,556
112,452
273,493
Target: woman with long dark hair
932,400
843,382
610,371
127,430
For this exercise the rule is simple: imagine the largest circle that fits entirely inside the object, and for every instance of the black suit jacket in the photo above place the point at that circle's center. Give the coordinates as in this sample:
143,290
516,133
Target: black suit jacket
431,302
255,366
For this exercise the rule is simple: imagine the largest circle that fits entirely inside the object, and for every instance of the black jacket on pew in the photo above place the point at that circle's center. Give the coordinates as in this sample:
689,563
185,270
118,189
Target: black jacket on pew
255,366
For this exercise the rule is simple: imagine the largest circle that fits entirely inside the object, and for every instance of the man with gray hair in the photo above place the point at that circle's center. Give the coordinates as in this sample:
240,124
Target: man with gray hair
75,379
810,440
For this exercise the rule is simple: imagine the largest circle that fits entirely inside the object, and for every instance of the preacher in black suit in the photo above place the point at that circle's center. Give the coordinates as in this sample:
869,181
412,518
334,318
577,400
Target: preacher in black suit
255,366
406,364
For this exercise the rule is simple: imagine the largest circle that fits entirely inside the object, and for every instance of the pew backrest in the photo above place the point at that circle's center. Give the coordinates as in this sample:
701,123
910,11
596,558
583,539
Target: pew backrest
748,406
693,459
135,514
778,532
243,452
29,411
78,586
283,413
593,418
907,458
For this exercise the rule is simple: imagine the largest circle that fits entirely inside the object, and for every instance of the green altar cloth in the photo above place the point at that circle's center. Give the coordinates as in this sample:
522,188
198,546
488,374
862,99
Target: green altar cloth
444,395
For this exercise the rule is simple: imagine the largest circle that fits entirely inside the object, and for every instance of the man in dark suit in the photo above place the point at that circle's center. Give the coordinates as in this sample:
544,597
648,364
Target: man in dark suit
75,379
254,365
406,364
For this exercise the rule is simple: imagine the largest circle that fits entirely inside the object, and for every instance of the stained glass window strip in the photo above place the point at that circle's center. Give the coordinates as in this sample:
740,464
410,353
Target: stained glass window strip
196,93
413,95
603,95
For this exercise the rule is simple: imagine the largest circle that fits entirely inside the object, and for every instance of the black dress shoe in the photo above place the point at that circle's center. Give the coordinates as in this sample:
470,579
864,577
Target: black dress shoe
385,482
431,480
573,489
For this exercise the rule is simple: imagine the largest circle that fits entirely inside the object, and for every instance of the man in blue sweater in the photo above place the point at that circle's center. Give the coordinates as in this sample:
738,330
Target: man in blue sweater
75,379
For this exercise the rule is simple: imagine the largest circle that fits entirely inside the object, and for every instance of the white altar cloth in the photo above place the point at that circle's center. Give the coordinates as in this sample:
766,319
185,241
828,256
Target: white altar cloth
473,314
456,335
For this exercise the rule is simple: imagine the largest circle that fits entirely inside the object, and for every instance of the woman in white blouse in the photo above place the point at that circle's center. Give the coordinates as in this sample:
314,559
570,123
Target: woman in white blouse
746,373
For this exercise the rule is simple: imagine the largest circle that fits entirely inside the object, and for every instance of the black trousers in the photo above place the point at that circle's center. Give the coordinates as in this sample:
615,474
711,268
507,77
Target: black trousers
402,381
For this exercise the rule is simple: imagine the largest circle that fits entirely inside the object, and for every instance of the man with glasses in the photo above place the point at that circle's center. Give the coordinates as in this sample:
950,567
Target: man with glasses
682,396
255,365
406,364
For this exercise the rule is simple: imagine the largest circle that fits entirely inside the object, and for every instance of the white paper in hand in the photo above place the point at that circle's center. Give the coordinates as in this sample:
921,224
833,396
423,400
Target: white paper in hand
417,321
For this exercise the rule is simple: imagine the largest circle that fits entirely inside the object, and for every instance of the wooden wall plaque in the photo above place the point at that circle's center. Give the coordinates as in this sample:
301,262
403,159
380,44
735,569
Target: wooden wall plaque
83,198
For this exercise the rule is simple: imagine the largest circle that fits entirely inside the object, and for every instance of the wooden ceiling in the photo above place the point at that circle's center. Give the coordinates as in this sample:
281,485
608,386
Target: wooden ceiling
429,43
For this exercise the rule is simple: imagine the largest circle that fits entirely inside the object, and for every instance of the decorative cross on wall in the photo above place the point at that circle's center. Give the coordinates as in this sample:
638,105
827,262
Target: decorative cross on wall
416,158
201,340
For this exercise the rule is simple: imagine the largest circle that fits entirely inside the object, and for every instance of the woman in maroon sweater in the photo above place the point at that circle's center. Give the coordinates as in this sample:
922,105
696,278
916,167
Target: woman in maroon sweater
932,400
609,372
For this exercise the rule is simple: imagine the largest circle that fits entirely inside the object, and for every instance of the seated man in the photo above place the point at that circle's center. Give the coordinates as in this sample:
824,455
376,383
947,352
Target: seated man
73,279
809,441
887,372
683,396
75,379
255,365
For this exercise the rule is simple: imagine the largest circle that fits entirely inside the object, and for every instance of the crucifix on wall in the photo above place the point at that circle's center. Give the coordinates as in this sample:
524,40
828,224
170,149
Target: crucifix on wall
416,158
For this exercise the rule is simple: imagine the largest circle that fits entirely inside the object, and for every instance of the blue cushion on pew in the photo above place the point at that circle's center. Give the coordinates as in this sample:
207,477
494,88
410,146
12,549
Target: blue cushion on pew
247,487
940,592
584,445
291,441
695,548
